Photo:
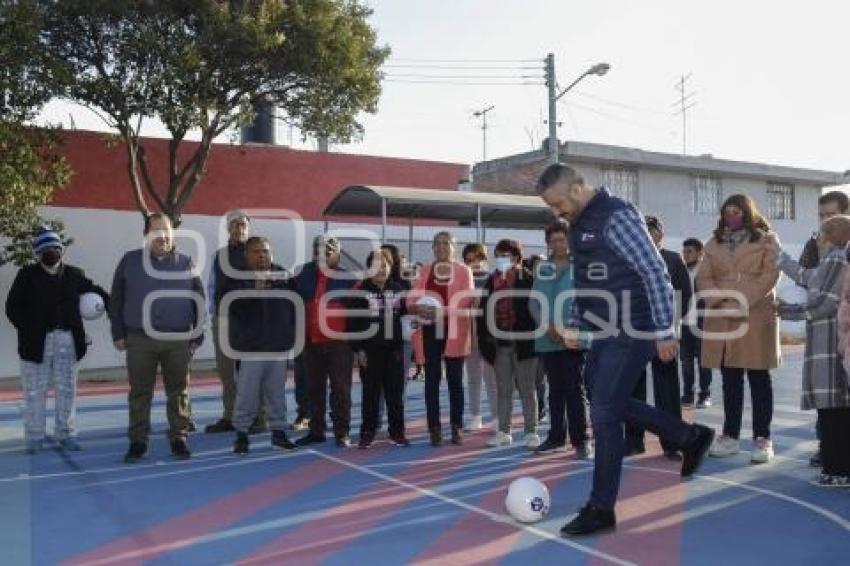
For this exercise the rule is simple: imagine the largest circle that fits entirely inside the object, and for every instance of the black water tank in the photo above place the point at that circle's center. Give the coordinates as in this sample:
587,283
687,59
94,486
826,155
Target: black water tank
261,130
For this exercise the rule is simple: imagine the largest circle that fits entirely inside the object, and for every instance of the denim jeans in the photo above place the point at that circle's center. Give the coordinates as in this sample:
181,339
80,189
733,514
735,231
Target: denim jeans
613,368
566,394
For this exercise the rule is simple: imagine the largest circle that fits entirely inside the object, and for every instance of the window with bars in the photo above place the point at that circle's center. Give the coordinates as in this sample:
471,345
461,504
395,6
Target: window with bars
707,194
780,201
621,182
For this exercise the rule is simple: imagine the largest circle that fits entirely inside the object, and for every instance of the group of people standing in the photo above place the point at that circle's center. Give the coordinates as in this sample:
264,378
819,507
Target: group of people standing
605,304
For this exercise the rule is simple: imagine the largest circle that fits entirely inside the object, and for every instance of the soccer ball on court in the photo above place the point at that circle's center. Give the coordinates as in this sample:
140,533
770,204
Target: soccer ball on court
528,500
91,306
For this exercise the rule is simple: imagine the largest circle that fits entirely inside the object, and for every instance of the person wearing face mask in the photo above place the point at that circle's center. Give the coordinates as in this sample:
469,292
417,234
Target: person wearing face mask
43,306
825,386
830,204
166,336
737,280
512,356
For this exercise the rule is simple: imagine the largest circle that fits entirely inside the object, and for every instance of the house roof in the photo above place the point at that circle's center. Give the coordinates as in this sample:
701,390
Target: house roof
585,152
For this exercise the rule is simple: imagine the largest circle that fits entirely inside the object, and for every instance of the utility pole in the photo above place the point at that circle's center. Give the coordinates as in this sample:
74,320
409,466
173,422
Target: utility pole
685,102
599,69
483,115
551,85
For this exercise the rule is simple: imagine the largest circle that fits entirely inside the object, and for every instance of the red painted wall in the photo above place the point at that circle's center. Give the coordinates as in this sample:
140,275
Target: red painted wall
242,176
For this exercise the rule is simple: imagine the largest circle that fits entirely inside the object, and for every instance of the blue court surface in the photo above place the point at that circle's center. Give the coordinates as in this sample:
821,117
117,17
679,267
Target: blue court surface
391,505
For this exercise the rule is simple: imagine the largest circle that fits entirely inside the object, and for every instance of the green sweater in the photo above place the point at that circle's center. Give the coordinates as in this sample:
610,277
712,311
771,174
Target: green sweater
550,283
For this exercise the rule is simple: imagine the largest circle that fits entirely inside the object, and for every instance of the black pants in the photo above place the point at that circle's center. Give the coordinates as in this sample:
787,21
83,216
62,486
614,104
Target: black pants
566,395
540,385
301,396
690,352
383,377
329,361
835,432
665,387
761,391
434,359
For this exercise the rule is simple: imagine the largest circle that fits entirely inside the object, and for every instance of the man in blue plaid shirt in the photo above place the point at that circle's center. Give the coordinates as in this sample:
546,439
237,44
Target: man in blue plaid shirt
624,294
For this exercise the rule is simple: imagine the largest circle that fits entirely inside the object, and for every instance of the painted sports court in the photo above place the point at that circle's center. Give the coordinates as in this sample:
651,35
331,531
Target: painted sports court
390,505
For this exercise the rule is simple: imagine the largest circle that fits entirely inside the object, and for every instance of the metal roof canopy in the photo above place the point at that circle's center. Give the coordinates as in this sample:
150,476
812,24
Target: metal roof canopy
482,210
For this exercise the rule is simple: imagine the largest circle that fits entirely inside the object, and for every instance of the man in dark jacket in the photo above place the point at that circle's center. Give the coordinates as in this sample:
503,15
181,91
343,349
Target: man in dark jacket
43,306
157,331
624,293
665,374
513,358
327,358
261,330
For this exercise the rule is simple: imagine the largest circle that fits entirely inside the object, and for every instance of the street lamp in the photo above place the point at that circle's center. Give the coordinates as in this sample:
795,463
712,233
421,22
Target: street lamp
599,69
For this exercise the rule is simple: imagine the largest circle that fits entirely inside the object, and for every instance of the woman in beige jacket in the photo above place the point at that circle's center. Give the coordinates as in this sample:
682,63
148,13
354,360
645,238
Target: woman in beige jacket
737,280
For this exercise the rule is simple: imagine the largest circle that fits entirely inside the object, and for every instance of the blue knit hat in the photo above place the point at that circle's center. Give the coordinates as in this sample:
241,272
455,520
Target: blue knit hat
46,238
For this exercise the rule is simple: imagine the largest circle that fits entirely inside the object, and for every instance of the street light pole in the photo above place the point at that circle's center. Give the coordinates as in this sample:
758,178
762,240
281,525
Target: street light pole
598,69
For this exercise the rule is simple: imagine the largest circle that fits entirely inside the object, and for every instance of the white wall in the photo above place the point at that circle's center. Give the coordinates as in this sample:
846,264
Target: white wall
101,237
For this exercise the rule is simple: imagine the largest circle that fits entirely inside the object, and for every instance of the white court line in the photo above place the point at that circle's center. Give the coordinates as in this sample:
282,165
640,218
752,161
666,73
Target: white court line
237,461
495,517
127,467
840,521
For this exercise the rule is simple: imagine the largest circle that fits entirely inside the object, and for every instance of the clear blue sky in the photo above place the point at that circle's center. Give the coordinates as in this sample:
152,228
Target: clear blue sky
770,78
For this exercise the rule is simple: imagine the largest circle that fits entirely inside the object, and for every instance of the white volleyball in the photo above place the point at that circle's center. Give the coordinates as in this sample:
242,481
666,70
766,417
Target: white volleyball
528,500
91,306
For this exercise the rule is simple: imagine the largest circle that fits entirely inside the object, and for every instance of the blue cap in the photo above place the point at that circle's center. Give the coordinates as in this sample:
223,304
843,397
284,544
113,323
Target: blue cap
45,239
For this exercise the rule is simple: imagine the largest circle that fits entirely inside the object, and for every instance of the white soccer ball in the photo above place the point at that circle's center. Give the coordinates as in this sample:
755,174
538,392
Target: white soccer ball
429,301
528,500
91,306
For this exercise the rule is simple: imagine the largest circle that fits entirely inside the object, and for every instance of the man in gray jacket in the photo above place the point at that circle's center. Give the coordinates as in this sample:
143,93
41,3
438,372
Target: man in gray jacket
157,331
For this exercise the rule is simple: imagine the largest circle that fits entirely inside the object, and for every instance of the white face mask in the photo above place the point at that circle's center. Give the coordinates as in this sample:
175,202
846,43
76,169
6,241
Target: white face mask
502,264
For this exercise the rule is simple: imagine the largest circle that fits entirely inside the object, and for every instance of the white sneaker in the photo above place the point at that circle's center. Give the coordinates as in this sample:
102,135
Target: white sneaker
532,440
585,451
763,451
473,424
500,439
724,446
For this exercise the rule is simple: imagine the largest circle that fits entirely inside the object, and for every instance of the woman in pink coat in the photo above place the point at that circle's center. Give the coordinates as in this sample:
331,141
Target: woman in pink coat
442,297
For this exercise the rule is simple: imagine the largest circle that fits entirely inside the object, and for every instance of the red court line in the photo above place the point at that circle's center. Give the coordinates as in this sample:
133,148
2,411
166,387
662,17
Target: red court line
473,539
650,514
184,530
336,528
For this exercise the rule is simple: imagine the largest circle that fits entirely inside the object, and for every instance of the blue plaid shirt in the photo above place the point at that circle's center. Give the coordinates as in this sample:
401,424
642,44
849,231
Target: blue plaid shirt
627,235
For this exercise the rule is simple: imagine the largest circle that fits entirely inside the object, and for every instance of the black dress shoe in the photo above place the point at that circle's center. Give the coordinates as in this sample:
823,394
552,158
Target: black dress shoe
280,440
136,452
457,436
366,440
590,519
436,437
693,453
180,450
242,444
550,445
310,439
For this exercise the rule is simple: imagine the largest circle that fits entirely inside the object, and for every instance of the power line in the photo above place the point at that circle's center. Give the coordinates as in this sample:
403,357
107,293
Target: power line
623,105
414,60
462,67
429,76
463,83
615,117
